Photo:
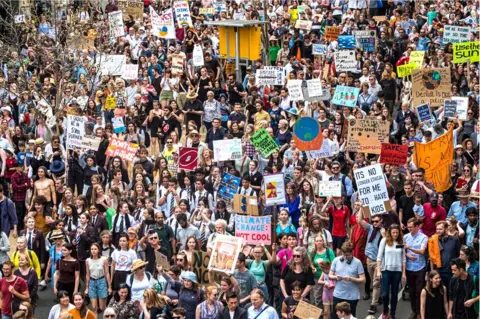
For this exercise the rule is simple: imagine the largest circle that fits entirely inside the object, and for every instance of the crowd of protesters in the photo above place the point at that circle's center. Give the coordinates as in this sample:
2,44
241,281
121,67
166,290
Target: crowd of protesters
89,227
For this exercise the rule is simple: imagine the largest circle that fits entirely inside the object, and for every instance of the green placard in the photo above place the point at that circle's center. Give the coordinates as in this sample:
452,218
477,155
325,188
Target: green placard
264,143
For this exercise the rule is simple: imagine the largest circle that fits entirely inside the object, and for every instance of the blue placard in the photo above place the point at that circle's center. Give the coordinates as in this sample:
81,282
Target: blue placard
367,44
346,96
346,42
423,111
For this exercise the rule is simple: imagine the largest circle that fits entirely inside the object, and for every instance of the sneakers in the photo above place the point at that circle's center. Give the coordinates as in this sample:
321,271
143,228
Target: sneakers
384,315
42,284
372,310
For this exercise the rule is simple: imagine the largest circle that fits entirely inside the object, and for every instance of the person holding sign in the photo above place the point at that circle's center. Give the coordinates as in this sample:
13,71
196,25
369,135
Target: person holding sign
291,302
259,267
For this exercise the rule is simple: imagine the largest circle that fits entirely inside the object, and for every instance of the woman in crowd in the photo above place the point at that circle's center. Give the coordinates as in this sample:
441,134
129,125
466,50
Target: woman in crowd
153,305
190,295
259,267
67,272
122,261
299,268
139,279
317,255
97,281
433,300
123,304
62,307
211,308
81,310
284,225
290,303
26,272
468,255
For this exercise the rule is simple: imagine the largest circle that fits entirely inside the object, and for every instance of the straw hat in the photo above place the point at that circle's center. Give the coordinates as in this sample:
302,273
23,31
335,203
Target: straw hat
463,194
39,141
57,234
475,191
192,95
138,263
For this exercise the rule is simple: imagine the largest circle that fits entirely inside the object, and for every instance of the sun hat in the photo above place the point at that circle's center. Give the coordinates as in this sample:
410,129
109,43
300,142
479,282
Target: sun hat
39,141
57,234
189,275
138,263
57,167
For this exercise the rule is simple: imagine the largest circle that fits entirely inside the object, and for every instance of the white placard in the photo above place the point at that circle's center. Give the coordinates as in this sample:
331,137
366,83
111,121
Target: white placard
198,56
110,64
295,90
75,131
227,150
182,13
91,143
323,152
345,61
20,18
280,72
115,23
314,87
274,189
462,106
330,188
163,25
118,125
130,72
319,49
372,189
455,34
266,77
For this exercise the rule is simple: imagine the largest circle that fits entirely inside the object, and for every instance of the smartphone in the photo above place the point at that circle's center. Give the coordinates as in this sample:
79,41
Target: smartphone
399,246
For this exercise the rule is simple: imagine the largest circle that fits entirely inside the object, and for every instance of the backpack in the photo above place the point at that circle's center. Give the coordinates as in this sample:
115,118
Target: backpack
29,256
131,277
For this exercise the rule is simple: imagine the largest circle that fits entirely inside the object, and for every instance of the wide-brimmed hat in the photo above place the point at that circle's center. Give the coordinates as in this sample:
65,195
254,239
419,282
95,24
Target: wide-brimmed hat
273,38
6,108
293,111
57,167
458,146
193,132
57,234
475,191
39,141
191,95
10,150
132,230
138,263
463,194
189,275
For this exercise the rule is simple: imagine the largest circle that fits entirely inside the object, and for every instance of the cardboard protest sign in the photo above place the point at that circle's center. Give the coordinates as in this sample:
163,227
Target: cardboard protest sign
431,86
405,69
131,7
307,134
306,310
125,150
380,18
245,205
188,158
254,230
229,186
110,102
314,87
182,13
436,157
330,188
227,150
455,34
263,142
346,95
346,42
177,64
200,267
225,253
91,143
130,72
372,189
163,25
162,260
75,131
323,152
332,33
345,61
367,135
280,73
416,58
111,64
462,106
295,90
423,112
466,52
115,23
319,49
394,154
450,108
274,189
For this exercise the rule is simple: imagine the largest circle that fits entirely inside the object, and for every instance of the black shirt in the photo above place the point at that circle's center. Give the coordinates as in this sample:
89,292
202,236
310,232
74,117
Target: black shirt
289,276
461,291
406,203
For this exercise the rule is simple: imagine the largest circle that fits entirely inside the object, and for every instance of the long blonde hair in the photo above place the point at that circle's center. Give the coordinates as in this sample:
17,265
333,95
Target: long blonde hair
152,299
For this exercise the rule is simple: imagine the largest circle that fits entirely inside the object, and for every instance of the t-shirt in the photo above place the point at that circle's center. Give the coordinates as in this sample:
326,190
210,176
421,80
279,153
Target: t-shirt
123,259
327,255
246,282
289,276
258,269
432,215
340,218
66,270
19,284
406,204
347,290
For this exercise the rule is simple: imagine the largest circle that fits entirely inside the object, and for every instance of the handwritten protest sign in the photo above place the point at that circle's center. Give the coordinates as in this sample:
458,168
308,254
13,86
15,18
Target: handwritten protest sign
266,77
227,150
319,49
274,189
197,56
225,253
450,108
91,143
372,189
280,72
332,33
455,34
245,205
416,58
436,157
188,158
125,150
177,64
303,24
131,7
466,52
424,113
367,135
130,72
379,19
306,310
330,188
323,152
19,18
324,97
345,61
314,87
163,25
405,69
295,90
111,64
431,86
346,95
75,131
207,11
462,106
394,154
200,267
118,125
115,23
263,142
182,13
254,230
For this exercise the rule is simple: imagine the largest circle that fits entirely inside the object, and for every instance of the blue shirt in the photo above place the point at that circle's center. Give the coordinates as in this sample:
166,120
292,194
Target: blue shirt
422,44
458,211
347,187
347,290
371,248
470,234
419,241
262,313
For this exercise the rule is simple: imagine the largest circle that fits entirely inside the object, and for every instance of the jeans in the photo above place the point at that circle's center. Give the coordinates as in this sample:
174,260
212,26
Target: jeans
390,284
415,282
352,303
6,317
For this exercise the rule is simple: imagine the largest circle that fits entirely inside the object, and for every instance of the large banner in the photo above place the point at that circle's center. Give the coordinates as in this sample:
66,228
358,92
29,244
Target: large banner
163,25
125,150
274,189
372,189
254,230
367,136
436,157
431,86
225,253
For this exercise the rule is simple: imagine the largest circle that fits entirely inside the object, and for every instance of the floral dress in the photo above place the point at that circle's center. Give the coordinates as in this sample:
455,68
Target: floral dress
124,310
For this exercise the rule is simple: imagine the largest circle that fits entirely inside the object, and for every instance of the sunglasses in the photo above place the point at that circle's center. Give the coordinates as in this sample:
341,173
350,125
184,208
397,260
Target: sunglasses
297,256
152,238
375,221
108,316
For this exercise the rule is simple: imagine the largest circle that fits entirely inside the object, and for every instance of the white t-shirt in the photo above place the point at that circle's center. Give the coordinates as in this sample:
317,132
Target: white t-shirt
138,287
124,259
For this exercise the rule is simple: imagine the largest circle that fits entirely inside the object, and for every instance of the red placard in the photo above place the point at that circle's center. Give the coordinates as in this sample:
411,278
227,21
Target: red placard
125,150
188,158
393,154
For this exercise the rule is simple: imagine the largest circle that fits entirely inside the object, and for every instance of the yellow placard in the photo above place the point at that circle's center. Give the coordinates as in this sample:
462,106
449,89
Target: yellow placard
206,11
466,52
436,157
110,103
405,70
416,57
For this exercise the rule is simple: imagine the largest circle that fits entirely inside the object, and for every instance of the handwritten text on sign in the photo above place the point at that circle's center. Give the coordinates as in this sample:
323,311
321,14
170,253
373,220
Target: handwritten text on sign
254,230
394,154
76,131
124,149
372,189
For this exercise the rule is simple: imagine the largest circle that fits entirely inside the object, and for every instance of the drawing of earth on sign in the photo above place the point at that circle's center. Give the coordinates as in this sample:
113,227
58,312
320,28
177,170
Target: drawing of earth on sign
431,79
307,135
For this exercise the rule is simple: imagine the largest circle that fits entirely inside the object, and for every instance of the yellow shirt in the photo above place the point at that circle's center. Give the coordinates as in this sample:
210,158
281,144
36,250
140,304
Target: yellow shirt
259,117
35,264
168,154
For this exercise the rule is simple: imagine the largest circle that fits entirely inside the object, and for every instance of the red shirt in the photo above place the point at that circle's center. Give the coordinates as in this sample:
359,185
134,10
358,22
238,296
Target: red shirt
340,217
431,216
19,284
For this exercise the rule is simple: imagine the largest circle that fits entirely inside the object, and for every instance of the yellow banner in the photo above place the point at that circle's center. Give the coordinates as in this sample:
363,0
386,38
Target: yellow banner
436,157
405,70
416,57
466,52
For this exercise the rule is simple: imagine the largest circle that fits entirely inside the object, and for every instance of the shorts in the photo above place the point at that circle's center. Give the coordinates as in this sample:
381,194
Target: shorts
338,241
166,95
98,288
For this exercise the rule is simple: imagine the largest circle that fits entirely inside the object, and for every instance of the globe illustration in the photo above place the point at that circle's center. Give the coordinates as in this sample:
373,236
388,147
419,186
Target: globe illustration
431,79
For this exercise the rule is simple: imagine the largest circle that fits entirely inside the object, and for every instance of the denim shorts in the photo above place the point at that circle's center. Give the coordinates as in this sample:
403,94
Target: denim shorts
98,288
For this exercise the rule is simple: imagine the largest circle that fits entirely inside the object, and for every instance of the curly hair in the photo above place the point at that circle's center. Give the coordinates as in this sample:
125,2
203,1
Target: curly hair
305,263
